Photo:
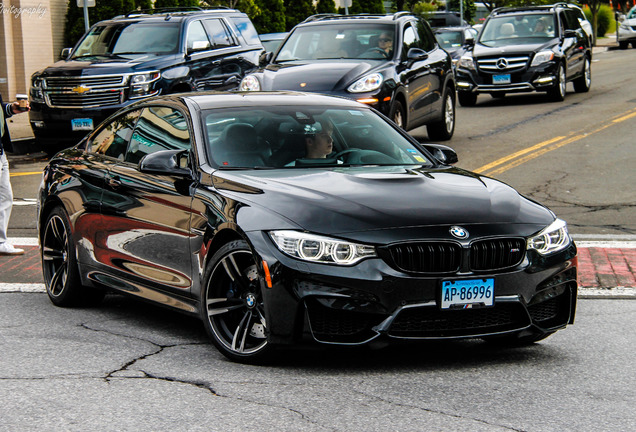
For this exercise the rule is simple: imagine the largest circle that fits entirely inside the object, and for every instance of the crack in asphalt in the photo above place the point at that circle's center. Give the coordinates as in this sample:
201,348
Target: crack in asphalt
429,410
199,384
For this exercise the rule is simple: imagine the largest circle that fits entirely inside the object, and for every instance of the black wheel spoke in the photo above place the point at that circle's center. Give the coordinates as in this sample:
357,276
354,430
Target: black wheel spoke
241,332
51,254
233,271
218,306
59,279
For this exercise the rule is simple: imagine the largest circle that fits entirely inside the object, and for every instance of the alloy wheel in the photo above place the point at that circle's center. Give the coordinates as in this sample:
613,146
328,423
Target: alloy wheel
55,255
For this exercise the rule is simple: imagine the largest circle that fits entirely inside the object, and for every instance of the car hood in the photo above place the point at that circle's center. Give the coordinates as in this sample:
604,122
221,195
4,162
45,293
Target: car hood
356,199
315,76
481,50
114,65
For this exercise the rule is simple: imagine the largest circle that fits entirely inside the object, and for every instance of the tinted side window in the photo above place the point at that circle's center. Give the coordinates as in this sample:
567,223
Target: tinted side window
112,139
410,40
426,36
572,20
247,30
221,37
197,37
158,128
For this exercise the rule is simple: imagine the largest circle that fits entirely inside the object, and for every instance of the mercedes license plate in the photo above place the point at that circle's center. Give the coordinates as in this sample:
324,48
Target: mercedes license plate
464,292
501,79
80,124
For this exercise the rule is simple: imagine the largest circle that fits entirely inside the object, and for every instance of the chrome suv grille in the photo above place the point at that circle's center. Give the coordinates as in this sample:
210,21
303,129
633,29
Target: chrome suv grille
83,92
449,257
502,64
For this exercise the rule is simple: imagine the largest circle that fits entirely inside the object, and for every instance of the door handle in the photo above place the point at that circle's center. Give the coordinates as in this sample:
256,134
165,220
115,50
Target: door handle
114,182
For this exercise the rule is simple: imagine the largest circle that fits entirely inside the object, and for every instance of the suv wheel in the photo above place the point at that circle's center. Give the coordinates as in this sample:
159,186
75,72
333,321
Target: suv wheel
583,83
623,45
443,130
466,98
398,114
557,93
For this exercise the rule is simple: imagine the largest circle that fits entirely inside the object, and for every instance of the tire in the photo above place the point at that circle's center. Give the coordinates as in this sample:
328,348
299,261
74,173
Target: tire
443,130
584,82
59,264
232,304
467,99
517,339
398,114
623,45
557,94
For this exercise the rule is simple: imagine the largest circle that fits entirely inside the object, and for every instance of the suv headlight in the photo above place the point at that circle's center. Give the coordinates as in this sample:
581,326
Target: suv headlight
367,83
37,94
250,83
542,57
141,85
319,249
551,239
466,62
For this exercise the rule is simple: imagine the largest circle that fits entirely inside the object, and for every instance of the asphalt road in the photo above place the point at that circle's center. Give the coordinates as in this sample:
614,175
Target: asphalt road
130,367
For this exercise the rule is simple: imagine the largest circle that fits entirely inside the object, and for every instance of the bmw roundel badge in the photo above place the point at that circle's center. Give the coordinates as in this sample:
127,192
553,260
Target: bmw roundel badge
458,232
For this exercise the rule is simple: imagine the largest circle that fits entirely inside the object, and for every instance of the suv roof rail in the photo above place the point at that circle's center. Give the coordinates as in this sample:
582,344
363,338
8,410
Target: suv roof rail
169,10
523,8
317,17
401,14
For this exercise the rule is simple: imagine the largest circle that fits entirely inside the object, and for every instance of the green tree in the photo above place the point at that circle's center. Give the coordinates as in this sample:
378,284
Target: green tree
326,6
366,6
272,16
297,11
74,26
175,3
469,8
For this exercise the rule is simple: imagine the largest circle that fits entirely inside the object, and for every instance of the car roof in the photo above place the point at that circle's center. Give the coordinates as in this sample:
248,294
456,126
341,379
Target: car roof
173,14
529,9
219,99
360,18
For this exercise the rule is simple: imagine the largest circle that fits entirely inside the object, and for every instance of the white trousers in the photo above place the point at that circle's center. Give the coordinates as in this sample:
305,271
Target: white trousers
6,197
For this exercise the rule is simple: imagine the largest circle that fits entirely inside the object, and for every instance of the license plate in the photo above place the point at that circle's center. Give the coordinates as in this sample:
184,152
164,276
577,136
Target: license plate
464,292
81,124
501,79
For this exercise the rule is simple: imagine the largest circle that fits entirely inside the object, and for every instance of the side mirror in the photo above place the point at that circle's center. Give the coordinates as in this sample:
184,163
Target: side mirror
620,17
569,33
470,42
265,58
416,54
442,153
166,162
65,53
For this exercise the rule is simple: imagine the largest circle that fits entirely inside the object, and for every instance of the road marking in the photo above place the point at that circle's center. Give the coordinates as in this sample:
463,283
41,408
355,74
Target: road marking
501,165
14,174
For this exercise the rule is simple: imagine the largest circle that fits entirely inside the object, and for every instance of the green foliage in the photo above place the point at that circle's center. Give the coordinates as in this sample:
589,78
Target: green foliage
175,3
326,6
423,8
469,8
272,16
604,19
74,27
366,6
297,11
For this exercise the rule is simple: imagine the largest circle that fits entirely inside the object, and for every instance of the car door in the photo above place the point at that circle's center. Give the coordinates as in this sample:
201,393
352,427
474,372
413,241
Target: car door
416,77
213,60
147,216
573,44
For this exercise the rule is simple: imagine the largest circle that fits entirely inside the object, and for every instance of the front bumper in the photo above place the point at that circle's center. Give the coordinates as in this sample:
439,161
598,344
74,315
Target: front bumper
627,33
355,305
538,78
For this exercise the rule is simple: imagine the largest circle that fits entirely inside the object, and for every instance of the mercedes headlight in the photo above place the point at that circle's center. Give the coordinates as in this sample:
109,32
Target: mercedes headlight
542,57
551,239
250,83
366,84
466,62
319,249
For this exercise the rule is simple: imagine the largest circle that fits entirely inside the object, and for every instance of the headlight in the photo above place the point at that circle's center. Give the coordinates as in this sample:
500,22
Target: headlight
542,57
315,248
625,26
37,94
466,62
551,239
366,84
250,83
141,85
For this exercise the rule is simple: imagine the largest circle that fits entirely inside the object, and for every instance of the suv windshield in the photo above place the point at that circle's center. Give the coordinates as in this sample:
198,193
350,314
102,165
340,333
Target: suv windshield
518,29
298,136
136,38
339,41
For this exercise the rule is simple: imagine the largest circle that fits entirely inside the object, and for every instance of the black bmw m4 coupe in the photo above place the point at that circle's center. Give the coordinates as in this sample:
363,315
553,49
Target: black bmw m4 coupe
280,218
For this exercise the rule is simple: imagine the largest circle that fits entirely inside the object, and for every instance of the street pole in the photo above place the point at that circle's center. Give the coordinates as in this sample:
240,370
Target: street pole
85,5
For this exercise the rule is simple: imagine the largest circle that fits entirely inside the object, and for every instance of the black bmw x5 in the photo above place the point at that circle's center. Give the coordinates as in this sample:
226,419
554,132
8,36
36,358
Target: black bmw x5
526,49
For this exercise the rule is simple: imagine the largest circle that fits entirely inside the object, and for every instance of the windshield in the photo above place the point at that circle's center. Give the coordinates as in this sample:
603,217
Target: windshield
299,136
518,29
450,39
338,41
128,38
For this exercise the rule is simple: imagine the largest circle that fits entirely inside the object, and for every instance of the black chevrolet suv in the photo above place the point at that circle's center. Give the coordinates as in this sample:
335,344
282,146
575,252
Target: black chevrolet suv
136,56
390,62
525,49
